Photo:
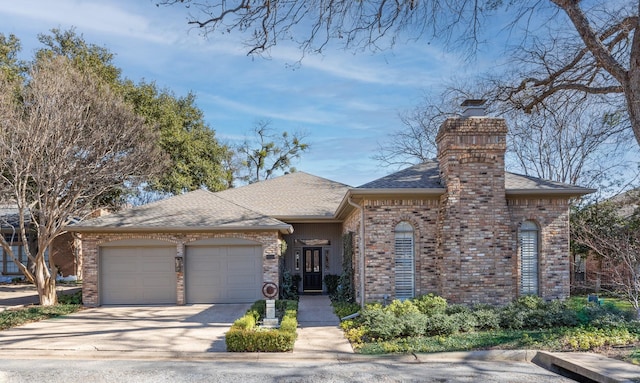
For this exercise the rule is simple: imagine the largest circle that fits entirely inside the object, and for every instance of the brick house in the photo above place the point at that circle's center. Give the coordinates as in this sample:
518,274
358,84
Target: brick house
459,226
62,251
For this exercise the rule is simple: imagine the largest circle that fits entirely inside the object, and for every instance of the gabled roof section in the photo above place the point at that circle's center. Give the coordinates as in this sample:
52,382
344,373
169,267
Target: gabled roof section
296,195
422,176
199,210
517,184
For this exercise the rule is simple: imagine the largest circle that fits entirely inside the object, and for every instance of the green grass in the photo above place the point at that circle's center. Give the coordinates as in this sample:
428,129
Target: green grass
24,315
578,301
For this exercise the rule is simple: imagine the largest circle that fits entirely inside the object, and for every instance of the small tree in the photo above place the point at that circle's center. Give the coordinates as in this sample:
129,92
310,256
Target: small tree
609,230
66,141
269,153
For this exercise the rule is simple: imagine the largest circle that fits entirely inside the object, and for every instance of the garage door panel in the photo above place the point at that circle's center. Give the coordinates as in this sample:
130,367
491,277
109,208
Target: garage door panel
223,274
138,275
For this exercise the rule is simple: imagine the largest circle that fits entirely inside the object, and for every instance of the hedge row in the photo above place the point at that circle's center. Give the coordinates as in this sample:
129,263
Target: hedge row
430,315
246,336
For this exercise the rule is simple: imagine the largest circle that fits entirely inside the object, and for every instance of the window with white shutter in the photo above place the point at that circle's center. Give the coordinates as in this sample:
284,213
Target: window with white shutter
404,261
528,236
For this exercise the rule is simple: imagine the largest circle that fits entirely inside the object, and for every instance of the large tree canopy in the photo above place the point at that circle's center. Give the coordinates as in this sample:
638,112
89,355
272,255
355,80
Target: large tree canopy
66,140
562,46
196,155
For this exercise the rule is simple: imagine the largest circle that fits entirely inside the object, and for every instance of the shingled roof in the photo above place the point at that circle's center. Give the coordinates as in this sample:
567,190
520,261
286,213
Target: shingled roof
427,176
194,211
291,196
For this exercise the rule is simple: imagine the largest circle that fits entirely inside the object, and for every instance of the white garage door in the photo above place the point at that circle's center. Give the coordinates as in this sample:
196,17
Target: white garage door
137,275
223,274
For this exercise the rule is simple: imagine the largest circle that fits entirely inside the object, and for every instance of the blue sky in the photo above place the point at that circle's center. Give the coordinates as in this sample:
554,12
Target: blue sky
347,103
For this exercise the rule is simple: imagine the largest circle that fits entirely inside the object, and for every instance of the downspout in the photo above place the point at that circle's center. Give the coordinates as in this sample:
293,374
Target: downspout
361,249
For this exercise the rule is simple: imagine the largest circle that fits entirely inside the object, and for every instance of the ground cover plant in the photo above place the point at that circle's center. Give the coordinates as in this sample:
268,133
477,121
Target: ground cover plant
67,304
245,335
429,324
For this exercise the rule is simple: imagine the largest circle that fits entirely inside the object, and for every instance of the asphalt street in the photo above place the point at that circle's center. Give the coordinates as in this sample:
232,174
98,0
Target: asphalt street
58,371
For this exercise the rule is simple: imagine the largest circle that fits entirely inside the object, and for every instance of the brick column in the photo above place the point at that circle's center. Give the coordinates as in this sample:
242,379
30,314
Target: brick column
473,230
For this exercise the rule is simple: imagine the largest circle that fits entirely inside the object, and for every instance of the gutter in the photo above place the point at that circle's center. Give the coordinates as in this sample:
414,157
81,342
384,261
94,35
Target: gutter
361,247
284,229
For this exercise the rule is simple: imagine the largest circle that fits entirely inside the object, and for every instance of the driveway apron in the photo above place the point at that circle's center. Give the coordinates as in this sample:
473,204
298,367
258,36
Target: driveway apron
191,328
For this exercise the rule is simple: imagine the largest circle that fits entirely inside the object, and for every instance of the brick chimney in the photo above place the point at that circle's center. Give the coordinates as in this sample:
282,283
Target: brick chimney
473,234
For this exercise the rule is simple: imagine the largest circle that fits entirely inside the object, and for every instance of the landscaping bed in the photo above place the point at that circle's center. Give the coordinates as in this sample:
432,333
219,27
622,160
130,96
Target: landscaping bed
245,335
429,324
67,304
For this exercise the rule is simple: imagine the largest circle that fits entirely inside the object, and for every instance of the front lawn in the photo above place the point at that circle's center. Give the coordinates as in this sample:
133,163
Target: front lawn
67,304
23,315
429,324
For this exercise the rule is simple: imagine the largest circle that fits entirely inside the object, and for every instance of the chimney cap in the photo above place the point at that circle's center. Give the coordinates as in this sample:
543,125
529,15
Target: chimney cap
473,108
473,102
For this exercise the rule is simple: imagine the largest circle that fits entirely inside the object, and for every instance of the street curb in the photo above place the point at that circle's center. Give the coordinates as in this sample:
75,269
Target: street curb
512,356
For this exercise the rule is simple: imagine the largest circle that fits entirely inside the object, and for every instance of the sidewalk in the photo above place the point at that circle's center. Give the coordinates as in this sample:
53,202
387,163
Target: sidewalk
318,328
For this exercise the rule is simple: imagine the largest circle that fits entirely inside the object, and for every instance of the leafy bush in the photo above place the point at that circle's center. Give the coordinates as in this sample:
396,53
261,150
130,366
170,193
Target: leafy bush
440,324
455,309
400,308
531,312
331,281
413,324
430,304
245,336
486,319
70,299
289,286
343,309
239,340
380,323
464,321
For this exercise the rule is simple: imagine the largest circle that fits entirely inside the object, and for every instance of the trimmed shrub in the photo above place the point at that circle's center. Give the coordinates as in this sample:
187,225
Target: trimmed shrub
400,308
487,319
463,321
430,304
456,309
239,340
413,324
440,324
245,336
381,324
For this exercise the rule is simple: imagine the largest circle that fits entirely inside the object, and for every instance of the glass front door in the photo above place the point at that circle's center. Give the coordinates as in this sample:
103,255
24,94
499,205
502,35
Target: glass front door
312,272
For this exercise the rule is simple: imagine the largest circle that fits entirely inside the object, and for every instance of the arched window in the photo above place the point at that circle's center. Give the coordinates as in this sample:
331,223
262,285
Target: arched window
404,261
529,258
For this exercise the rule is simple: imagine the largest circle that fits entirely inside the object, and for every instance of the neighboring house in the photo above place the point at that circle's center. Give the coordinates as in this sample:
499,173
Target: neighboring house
460,227
62,251
591,272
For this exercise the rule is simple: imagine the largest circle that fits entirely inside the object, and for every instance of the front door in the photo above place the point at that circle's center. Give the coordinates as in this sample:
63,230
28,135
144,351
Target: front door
312,275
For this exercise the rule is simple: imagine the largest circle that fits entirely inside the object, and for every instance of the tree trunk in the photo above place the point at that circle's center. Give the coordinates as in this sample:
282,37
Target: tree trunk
45,283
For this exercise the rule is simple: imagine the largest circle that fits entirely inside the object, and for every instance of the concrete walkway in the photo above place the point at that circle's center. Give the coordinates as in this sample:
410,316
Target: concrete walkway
318,328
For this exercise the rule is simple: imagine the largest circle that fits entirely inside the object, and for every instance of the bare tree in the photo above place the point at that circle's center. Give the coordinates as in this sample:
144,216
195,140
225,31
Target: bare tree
416,141
66,140
582,142
564,46
609,230
268,153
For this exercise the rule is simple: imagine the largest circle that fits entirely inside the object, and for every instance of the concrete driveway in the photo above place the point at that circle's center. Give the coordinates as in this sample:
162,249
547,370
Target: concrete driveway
191,328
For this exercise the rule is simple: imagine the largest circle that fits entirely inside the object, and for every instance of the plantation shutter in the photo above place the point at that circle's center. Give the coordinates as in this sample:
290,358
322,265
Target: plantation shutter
404,261
529,258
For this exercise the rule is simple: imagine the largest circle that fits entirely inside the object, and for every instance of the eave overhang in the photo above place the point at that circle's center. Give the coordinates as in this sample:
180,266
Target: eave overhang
283,229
